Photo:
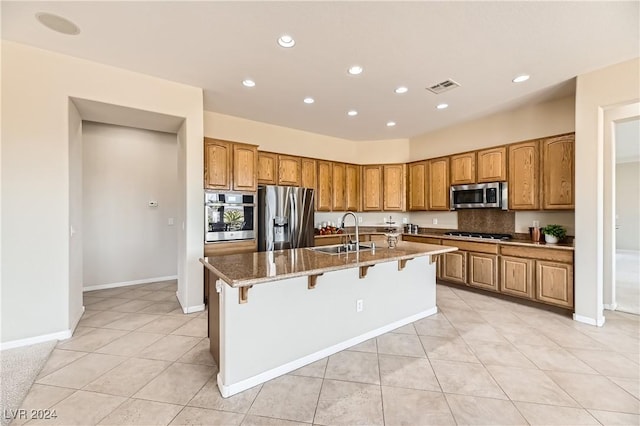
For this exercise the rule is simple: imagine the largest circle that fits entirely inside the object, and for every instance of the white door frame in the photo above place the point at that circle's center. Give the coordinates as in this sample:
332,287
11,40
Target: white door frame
611,117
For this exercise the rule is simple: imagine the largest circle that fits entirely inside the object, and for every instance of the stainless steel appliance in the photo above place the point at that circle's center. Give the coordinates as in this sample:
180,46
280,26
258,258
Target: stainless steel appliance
484,236
285,217
479,196
229,216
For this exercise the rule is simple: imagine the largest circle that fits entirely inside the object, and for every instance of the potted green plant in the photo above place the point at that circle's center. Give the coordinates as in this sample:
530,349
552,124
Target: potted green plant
554,233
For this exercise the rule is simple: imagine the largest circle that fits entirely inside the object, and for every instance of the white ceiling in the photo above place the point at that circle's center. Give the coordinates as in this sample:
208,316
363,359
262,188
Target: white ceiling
215,45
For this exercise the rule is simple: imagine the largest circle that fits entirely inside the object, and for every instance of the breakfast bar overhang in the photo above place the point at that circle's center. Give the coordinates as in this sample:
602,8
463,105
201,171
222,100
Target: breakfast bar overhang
273,312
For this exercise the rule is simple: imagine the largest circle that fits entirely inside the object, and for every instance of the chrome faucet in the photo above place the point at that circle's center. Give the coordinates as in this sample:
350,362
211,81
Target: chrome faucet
355,218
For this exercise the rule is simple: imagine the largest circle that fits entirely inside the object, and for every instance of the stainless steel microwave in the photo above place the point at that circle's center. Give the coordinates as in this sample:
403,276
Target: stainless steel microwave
229,216
480,196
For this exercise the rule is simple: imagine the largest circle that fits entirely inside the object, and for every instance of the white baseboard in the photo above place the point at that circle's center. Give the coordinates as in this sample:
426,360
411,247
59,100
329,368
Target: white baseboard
599,322
128,283
611,307
229,390
60,335
189,309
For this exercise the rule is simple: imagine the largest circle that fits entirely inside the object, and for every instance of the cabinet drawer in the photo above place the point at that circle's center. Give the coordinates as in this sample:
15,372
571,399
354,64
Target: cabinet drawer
489,248
218,249
554,255
418,239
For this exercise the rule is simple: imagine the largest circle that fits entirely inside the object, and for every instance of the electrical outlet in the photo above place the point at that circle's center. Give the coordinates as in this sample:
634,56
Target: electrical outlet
170,221
359,219
359,305
405,220
434,221
536,223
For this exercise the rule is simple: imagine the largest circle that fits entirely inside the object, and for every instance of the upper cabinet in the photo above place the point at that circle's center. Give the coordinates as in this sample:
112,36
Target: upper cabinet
323,193
418,185
372,188
463,168
492,164
229,165
288,170
217,164
267,168
438,179
394,177
524,167
558,172
338,195
245,161
308,173
352,187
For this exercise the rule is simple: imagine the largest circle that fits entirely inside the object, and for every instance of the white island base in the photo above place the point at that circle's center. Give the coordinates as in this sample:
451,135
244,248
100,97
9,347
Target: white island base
285,325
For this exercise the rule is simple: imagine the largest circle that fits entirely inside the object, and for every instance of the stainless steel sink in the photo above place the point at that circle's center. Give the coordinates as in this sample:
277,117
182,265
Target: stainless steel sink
339,248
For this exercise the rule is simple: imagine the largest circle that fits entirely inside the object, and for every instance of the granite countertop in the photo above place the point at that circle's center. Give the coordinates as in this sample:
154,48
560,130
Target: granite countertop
514,242
247,269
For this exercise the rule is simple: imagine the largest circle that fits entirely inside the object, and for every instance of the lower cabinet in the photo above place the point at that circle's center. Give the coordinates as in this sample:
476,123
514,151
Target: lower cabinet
516,276
454,267
554,283
483,271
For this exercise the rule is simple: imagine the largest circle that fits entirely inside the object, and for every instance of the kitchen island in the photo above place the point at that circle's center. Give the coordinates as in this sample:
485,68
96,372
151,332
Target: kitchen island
273,312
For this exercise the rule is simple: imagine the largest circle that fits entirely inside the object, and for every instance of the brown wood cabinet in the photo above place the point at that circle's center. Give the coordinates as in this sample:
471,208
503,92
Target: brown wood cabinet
394,177
463,168
516,276
352,187
524,165
454,267
554,283
338,187
439,184
288,170
267,168
372,188
483,270
217,164
418,186
558,172
308,173
323,192
229,165
492,164
245,162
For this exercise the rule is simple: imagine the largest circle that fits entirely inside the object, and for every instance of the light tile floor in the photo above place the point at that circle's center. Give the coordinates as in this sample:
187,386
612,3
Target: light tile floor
135,358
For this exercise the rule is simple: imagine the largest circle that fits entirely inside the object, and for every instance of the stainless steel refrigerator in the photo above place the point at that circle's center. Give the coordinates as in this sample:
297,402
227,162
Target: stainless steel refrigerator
285,217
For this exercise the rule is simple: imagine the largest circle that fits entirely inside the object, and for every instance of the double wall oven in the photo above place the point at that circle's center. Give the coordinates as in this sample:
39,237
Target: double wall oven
229,216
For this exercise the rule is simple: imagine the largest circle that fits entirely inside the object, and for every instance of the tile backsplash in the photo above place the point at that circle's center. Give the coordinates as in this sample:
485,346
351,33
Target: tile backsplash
487,220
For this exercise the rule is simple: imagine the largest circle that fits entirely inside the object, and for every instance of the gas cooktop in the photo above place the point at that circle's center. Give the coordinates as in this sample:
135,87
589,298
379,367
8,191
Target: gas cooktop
479,235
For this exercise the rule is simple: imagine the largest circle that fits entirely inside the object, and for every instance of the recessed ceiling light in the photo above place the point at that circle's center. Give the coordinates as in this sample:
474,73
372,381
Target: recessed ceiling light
248,83
286,41
308,100
57,23
442,106
520,78
401,90
391,123
352,113
355,70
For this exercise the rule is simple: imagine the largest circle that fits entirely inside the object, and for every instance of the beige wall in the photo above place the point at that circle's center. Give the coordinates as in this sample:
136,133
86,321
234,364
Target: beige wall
596,92
544,119
285,140
125,240
628,206
36,193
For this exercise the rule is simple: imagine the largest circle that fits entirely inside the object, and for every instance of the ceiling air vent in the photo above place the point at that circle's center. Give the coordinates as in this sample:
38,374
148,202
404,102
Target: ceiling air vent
443,86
